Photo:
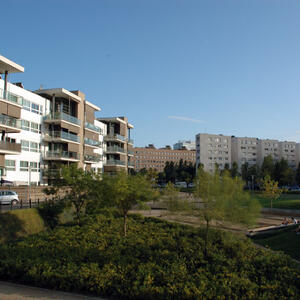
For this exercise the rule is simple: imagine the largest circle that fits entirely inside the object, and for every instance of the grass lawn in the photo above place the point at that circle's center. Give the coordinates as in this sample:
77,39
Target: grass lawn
287,201
285,240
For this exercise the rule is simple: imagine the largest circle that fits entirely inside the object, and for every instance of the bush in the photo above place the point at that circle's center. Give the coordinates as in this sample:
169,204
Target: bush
157,260
50,211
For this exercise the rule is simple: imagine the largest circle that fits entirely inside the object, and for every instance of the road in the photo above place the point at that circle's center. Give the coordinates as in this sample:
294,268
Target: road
12,291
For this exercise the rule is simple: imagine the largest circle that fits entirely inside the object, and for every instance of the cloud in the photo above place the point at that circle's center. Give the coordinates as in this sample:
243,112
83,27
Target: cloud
186,119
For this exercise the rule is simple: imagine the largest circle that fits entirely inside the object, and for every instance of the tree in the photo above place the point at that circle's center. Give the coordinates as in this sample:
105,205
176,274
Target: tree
79,186
283,173
271,190
174,203
267,167
223,199
234,171
126,190
297,175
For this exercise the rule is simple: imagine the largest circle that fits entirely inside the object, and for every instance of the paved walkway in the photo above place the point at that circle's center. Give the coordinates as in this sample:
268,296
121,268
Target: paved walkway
12,291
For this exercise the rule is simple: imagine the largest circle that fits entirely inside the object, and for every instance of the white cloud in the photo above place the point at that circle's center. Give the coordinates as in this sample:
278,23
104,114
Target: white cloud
186,119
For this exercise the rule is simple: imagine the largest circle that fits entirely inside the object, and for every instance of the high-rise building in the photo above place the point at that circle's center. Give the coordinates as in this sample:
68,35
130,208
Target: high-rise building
213,150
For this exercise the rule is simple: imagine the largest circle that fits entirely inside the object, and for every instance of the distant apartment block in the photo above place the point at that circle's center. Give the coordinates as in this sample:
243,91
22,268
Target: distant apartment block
212,149
188,145
44,130
119,145
150,157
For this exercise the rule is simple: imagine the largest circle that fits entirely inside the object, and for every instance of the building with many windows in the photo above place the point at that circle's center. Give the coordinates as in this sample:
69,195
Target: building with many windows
187,145
119,145
150,157
219,149
44,130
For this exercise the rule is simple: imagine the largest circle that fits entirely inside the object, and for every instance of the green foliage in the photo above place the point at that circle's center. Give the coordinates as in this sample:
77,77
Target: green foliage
285,201
223,199
22,222
125,190
50,212
173,201
271,189
158,260
267,168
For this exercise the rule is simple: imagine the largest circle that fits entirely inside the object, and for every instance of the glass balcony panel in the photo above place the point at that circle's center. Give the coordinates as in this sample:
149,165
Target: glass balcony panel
10,121
92,127
115,136
7,146
63,116
115,162
11,97
92,142
94,158
63,135
115,149
62,154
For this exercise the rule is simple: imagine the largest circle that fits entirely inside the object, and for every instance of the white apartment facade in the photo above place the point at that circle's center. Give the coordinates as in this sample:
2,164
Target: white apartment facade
212,149
251,150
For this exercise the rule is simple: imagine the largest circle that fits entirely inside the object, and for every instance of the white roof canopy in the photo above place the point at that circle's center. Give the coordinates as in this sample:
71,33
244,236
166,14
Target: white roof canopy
9,66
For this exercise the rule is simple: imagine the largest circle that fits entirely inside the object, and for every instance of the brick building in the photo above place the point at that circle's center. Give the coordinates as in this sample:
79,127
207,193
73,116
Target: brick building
150,157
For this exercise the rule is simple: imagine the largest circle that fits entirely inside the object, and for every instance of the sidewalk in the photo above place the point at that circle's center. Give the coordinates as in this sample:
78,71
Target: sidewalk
12,291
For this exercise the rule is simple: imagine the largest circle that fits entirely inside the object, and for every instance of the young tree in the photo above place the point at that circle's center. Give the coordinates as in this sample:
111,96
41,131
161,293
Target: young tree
223,199
127,190
271,190
173,201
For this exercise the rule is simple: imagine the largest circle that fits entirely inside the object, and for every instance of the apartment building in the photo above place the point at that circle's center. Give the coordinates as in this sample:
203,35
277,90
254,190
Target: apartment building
213,150
43,130
242,150
150,157
188,145
119,145
21,124
288,151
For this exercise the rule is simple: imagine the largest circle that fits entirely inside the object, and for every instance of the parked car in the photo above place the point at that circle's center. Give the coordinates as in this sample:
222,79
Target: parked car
294,189
181,184
9,197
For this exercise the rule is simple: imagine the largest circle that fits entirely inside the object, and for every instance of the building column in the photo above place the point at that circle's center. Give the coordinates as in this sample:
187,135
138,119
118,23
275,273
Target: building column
5,85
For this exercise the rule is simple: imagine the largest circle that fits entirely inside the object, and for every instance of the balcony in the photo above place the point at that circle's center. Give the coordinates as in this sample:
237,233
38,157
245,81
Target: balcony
130,164
113,137
92,127
130,141
114,149
93,143
130,152
10,148
8,96
61,155
115,162
61,135
10,124
92,158
51,173
60,116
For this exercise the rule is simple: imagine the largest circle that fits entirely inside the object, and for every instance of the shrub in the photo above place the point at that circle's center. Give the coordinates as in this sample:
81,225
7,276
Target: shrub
50,211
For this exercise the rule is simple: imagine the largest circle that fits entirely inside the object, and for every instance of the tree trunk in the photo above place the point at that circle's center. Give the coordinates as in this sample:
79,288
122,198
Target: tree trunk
125,224
206,238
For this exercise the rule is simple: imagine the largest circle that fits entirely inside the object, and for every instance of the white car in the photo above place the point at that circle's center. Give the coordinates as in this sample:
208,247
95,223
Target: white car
9,197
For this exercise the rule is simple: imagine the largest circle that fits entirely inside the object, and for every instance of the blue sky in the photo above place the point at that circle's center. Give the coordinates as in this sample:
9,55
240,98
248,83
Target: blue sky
174,68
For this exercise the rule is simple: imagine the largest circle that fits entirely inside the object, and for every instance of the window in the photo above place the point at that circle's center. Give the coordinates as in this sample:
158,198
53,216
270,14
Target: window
25,125
34,166
24,145
35,108
26,104
34,127
34,147
24,166
10,165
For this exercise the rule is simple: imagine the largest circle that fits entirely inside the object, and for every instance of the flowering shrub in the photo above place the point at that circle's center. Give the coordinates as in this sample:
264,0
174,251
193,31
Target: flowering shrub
157,260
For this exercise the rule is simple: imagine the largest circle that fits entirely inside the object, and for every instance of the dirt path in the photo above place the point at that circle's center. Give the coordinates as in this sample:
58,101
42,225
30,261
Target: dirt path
12,291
